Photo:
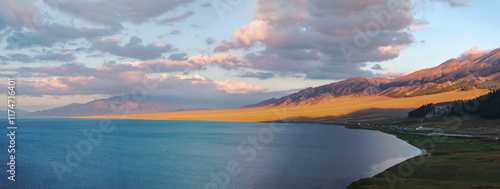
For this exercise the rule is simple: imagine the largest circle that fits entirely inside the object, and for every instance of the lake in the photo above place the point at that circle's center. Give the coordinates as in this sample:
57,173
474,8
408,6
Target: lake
95,153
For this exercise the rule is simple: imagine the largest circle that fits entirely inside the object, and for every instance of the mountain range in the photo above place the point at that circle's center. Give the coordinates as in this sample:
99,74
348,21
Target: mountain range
480,71
124,104
474,71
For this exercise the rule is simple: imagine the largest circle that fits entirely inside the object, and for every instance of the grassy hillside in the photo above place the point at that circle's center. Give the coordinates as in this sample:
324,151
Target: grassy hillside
336,109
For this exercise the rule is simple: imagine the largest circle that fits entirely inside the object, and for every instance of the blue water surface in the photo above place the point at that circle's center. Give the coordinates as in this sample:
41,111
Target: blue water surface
60,153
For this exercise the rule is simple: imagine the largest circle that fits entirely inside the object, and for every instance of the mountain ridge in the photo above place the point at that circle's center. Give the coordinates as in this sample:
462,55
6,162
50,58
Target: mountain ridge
454,74
124,104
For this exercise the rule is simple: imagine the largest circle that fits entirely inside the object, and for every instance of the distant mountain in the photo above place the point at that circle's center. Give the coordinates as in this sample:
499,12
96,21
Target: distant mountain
117,105
474,71
260,104
358,86
18,112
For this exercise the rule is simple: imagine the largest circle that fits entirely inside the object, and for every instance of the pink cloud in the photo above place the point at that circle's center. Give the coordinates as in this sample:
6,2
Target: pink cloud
127,82
257,30
224,60
317,38
417,29
392,51
238,87
474,50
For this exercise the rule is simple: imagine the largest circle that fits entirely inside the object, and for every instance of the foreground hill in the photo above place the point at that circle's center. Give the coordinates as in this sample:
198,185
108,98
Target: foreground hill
480,71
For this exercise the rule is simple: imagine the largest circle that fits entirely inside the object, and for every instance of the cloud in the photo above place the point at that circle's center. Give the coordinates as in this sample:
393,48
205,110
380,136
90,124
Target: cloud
173,32
324,38
68,69
474,50
59,57
178,18
32,23
244,37
115,12
133,49
184,64
238,87
392,75
377,67
18,14
210,40
130,82
308,62
259,75
178,56
18,57
194,26
456,3
51,34
417,29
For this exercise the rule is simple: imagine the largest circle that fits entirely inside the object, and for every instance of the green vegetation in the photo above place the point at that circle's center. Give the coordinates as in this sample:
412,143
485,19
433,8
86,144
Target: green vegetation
486,106
421,111
464,86
493,84
450,163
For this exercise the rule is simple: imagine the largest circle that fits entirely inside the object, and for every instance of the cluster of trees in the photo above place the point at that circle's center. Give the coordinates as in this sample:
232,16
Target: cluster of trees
464,86
421,111
486,106
493,84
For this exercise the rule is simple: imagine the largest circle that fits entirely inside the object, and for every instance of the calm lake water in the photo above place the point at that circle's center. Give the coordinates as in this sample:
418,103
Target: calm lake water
94,153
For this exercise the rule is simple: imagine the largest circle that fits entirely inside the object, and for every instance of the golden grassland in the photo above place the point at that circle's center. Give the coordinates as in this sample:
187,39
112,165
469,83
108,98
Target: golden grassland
343,108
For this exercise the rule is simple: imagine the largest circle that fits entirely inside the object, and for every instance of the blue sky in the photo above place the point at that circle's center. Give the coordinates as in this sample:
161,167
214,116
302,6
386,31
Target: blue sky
69,51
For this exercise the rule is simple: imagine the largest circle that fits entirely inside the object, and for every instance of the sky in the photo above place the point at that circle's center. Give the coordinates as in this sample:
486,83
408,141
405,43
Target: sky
232,52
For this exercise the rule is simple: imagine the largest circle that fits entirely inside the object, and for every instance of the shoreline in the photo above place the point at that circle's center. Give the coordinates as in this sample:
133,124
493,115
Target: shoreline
346,126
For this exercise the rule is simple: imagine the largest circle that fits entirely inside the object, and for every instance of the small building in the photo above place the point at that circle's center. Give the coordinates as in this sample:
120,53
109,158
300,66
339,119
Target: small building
420,128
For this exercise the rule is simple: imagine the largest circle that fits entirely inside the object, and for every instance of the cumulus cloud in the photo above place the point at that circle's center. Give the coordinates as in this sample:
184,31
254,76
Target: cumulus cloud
323,38
259,75
133,49
244,37
474,50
